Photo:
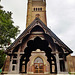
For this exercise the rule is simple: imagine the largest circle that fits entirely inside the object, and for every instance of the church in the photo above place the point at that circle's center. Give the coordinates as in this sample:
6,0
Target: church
38,50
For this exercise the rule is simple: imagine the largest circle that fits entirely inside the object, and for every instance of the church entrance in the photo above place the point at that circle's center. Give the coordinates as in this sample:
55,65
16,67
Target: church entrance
38,65
37,58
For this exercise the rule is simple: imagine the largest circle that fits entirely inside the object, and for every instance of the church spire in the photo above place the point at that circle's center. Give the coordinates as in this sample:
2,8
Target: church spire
36,8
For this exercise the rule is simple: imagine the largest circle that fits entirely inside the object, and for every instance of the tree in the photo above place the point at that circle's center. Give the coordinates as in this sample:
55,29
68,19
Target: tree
2,58
7,29
7,32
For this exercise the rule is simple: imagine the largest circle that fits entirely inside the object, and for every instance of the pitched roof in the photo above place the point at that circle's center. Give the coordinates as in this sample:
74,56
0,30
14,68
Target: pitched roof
17,41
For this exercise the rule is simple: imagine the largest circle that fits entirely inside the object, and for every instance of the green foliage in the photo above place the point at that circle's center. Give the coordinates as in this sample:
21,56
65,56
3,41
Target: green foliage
7,29
71,73
7,32
2,58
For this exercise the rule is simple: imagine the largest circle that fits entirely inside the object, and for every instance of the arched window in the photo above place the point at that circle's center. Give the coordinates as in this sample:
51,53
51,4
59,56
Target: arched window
38,60
34,9
40,9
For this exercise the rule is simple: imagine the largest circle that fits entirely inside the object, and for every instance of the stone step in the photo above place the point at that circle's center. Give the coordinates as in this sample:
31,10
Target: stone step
38,74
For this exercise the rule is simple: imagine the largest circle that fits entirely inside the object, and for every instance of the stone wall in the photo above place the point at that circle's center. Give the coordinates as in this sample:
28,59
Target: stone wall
6,65
71,63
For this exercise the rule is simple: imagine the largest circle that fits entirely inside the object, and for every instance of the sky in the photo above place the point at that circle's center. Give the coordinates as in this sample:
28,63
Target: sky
60,17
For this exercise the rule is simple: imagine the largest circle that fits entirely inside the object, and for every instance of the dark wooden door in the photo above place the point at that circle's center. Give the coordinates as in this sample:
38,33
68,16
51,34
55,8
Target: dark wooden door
38,68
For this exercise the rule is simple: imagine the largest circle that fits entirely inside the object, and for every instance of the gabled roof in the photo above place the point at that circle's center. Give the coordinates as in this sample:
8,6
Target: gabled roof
17,41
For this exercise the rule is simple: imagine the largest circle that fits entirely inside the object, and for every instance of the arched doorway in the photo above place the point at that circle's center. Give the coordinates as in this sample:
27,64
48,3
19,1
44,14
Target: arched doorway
33,45
38,65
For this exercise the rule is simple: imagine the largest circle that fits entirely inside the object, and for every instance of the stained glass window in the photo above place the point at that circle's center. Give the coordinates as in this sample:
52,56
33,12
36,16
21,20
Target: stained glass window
38,60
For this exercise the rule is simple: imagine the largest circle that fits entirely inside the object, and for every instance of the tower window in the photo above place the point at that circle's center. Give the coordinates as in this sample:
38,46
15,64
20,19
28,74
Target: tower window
37,9
40,9
34,9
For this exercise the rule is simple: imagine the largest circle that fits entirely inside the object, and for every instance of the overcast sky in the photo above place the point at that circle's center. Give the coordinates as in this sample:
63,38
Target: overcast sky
60,17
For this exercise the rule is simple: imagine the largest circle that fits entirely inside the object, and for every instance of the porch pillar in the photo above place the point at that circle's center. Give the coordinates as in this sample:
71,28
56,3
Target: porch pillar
66,66
10,67
18,63
18,60
57,62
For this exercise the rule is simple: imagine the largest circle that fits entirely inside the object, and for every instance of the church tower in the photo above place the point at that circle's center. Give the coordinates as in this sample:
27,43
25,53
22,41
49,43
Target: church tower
36,8
37,50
